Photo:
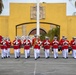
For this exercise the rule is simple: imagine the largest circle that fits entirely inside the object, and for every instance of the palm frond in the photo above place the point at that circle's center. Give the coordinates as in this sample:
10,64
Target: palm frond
1,6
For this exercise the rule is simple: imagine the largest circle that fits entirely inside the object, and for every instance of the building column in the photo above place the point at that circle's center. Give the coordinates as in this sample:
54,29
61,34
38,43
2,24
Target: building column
23,29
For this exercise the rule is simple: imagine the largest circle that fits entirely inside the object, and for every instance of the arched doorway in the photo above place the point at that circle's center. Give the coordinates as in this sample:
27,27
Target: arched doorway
42,31
32,31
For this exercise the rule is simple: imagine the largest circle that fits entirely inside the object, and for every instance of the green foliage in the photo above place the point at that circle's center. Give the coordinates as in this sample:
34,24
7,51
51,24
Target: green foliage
52,33
1,6
42,37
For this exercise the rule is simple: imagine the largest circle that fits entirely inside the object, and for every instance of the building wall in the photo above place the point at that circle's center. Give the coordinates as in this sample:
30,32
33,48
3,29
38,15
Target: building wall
4,26
20,13
71,26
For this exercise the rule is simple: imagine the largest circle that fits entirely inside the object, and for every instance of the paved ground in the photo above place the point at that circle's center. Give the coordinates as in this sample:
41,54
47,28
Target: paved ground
42,66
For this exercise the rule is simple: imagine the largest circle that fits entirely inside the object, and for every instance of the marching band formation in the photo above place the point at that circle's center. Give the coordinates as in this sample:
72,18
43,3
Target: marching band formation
36,43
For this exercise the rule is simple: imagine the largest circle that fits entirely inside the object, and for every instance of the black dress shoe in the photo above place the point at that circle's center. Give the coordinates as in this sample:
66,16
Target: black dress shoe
56,57
8,56
17,56
2,58
39,57
67,57
28,57
48,57
5,57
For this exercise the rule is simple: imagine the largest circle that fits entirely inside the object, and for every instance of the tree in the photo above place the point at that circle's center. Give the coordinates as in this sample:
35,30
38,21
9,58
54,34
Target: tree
51,33
54,32
1,6
42,36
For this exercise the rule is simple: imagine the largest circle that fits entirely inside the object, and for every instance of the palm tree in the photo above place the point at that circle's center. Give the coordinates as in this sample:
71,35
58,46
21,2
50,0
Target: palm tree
42,36
51,33
54,32
1,6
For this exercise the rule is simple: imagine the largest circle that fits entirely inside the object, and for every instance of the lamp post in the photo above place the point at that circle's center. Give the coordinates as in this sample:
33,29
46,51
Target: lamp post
37,19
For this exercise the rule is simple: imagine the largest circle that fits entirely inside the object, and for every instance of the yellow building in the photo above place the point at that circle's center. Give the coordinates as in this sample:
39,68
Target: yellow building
19,22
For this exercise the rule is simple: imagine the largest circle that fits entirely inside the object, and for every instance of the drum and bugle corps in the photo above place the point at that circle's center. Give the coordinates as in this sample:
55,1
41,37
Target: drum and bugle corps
37,45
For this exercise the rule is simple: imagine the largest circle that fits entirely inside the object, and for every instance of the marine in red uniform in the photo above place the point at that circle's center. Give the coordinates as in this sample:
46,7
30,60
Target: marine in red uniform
73,45
61,43
8,46
55,45
16,45
19,40
36,42
65,48
27,45
3,48
47,44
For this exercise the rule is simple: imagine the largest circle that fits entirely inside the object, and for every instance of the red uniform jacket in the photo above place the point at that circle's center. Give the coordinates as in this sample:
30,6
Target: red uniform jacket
55,44
73,44
33,40
26,44
46,44
36,43
8,44
3,44
16,44
61,43
65,44
19,43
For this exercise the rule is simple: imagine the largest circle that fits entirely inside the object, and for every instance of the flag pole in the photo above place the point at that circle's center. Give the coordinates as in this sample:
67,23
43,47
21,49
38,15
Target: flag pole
38,23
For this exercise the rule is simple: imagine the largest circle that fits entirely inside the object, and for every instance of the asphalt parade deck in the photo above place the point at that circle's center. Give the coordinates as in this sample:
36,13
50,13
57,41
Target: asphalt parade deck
42,66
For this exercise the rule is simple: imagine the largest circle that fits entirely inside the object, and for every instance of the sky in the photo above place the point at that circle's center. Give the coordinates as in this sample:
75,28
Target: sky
70,8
